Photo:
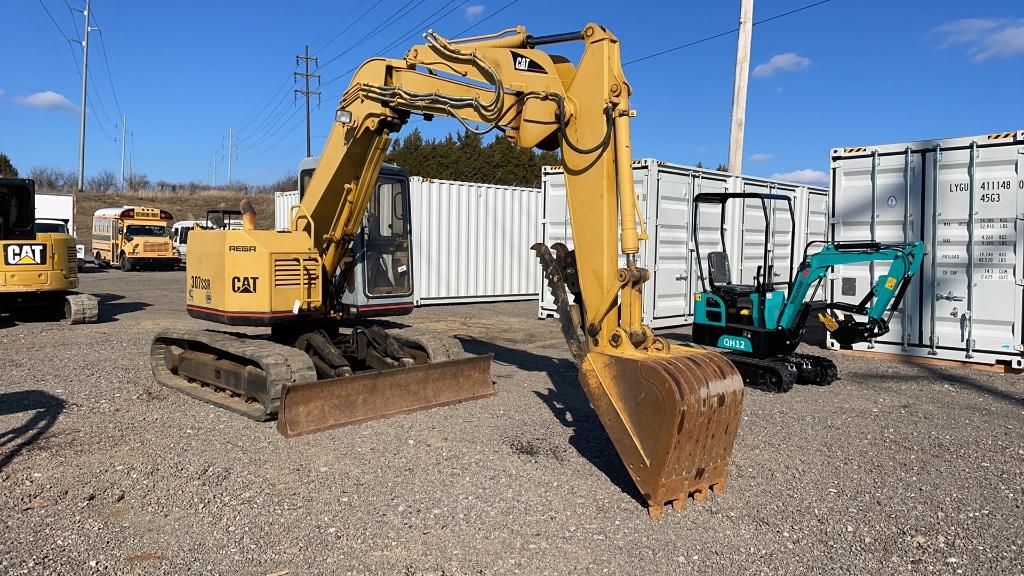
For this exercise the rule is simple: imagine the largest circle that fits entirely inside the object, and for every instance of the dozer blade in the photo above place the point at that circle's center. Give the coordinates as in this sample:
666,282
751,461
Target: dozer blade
313,407
672,417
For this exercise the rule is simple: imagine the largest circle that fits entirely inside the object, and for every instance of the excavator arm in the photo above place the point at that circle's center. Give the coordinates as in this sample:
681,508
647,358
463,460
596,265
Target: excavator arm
884,296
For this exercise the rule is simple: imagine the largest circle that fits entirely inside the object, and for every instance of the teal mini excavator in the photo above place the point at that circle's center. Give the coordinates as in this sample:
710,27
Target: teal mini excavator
759,326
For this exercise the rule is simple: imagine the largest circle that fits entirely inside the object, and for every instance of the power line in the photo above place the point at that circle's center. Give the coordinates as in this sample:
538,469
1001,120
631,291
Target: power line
110,78
96,97
347,28
409,34
275,143
726,33
271,132
492,15
276,94
64,36
387,22
269,119
71,14
425,23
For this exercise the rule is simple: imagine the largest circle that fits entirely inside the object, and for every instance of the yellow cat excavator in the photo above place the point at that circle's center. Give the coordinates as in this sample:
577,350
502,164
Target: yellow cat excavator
671,412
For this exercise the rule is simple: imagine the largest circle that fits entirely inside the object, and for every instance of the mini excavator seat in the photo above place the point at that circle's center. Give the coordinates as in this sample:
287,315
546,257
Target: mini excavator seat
721,279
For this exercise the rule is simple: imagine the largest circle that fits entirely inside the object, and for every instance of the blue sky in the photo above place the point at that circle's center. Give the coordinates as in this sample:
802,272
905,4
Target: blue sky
849,72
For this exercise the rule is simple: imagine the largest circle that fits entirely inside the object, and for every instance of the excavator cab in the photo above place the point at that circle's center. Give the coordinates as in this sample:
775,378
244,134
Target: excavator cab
376,275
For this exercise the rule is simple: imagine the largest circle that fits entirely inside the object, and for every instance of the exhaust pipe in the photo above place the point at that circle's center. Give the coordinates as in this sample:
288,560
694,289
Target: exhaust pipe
248,214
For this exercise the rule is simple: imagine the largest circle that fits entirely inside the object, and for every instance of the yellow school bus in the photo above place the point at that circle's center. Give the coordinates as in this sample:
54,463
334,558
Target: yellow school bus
133,237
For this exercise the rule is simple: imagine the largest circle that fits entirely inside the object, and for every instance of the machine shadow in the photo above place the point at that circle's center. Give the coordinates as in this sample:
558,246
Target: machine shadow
45,409
570,406
111,306
968,383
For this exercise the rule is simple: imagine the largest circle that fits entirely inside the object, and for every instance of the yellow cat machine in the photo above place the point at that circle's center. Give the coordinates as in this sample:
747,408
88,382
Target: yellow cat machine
39,270
133,237
671,412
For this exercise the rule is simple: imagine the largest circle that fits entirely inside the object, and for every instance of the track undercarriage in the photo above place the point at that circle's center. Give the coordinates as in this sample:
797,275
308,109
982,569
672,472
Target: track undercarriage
780,373
253,376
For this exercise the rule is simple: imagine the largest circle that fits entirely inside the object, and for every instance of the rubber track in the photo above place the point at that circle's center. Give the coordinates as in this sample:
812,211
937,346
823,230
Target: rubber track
439,347
784,373
822,365
283,366
81,309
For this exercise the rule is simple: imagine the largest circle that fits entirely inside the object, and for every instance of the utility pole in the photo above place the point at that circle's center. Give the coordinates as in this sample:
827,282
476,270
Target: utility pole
231,138
213,181
124,129
739,90
85,77
306,59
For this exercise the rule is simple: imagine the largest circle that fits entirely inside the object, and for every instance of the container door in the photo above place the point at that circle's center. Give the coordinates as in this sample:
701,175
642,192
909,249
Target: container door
880,200
983,314
753,235
671,239
709,229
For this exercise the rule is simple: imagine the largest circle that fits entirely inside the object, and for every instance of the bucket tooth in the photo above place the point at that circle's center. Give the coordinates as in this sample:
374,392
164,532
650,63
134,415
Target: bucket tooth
672,417
679,504
655,511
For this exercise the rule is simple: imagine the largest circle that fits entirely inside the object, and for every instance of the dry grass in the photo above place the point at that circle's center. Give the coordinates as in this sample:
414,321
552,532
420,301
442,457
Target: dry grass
183,207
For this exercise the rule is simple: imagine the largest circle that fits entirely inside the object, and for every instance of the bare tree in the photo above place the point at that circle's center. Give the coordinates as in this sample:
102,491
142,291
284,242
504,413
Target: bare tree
103,182
138,182
50,178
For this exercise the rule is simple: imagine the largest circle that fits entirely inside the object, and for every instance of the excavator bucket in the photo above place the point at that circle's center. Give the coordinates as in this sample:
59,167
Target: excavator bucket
672,417
320,405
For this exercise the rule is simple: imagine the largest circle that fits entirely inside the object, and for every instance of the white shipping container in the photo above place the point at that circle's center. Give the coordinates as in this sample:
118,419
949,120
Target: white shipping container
964,197
665,192
470,242
283,202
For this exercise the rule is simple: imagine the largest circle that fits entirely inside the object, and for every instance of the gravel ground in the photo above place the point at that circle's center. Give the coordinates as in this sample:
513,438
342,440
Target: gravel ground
895,469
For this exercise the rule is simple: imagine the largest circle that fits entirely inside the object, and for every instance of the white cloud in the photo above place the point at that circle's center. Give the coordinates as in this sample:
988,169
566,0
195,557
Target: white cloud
788,61
702,148
473,12
47,100
985,38
805,176
760,157
2,92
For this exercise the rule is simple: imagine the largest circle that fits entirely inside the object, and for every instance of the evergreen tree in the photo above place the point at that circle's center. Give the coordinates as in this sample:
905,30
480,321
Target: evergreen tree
466,158
7,169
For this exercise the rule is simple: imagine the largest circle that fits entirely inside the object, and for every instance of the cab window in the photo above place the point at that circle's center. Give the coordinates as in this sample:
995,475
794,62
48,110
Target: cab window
145,230
386,241
17,213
